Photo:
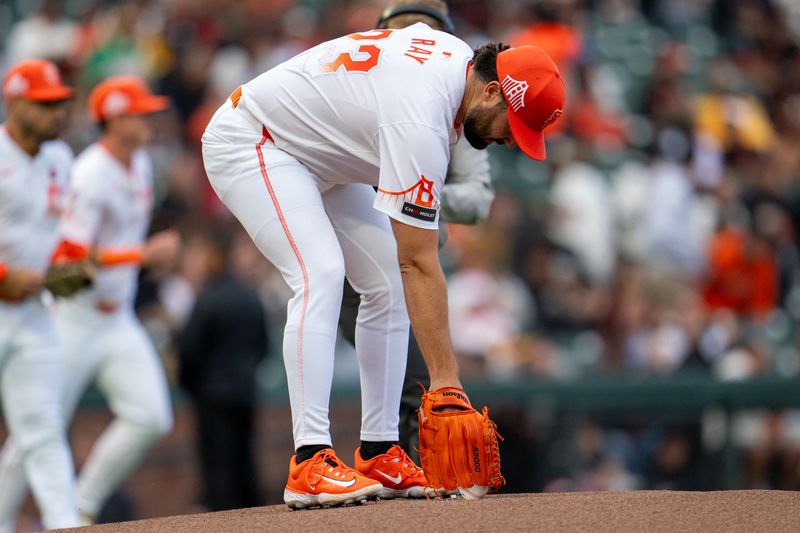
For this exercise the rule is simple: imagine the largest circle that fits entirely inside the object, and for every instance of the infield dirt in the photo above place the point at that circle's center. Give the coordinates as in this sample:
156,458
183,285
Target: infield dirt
597,512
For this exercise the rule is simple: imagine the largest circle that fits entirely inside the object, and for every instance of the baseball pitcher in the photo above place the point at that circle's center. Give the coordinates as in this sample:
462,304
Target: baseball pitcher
295,154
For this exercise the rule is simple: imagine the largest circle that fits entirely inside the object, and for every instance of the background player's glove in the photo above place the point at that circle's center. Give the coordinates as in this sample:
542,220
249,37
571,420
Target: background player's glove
458,445
67,278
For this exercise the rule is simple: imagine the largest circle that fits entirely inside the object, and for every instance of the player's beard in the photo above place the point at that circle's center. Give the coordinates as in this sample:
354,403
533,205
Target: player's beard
477,124
43,132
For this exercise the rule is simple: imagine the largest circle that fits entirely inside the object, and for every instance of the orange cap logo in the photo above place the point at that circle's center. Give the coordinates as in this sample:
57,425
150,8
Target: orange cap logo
16,85
515,92
116,103
552,118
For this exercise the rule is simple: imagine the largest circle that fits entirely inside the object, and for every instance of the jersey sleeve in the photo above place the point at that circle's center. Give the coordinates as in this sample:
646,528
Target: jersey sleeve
81,220
413,164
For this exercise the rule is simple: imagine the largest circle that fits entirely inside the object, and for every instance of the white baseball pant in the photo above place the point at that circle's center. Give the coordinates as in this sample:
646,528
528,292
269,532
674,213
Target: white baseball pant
113,350
316,234
31,369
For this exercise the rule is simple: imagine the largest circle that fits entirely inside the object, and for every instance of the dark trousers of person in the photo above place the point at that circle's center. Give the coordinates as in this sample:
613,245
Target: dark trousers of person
230,475
416,373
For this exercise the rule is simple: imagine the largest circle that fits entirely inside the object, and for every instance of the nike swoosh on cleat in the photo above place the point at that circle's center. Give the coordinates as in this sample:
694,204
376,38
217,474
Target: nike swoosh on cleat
339,482
394,479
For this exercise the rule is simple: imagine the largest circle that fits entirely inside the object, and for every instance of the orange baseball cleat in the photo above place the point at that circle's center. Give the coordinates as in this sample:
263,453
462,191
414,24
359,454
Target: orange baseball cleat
324,480
398,474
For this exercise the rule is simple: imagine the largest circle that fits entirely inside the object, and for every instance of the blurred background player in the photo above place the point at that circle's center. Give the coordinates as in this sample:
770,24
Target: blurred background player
466,199
102,340
34,170
220,349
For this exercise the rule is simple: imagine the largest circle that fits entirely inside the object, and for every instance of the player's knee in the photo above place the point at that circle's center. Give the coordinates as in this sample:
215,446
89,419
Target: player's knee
386,292
154,429
153,423
327,275
161,424
38,429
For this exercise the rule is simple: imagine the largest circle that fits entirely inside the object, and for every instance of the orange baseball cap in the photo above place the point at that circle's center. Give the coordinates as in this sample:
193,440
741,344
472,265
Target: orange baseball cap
535,92
37,80
124,95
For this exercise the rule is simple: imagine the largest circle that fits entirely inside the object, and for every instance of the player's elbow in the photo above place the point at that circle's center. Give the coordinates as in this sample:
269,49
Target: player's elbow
467,203
417,262
155,429
483,203
482,210
409,265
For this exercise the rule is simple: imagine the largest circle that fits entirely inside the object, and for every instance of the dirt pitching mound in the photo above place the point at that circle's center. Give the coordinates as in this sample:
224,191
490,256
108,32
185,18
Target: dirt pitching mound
598,512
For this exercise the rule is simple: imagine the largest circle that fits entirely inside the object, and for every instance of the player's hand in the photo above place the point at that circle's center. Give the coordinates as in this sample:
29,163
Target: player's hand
162,250
19,284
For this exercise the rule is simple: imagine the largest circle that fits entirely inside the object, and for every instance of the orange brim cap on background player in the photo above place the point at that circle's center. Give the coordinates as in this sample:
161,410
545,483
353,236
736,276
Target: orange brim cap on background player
124,95
37,80
535,93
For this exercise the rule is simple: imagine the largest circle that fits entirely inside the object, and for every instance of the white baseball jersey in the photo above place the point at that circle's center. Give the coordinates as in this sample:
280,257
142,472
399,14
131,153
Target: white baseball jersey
376,107
32,196
109,208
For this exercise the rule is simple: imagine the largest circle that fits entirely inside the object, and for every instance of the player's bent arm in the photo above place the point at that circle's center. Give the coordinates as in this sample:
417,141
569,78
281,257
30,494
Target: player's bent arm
426,299
161,248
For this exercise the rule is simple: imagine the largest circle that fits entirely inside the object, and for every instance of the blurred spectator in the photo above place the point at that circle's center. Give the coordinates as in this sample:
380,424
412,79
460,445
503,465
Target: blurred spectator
582,219
736,121
46,34
742,274
675,238
220,348
489,309
552,32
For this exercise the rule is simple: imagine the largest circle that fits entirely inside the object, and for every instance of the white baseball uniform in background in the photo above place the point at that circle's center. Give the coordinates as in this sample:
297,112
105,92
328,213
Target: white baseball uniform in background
468,193
110,208
294,156
31,367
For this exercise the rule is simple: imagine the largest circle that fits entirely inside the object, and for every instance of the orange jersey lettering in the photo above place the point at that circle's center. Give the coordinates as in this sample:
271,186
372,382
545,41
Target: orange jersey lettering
416,50
420,55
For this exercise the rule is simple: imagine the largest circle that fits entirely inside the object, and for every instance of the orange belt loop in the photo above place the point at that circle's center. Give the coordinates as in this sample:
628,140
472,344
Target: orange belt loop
236,96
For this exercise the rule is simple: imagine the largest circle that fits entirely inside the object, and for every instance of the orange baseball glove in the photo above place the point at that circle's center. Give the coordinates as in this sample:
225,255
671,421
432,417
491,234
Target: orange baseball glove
458,445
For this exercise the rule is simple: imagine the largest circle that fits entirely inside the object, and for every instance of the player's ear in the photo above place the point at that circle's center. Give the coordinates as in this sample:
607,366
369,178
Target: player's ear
492,93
